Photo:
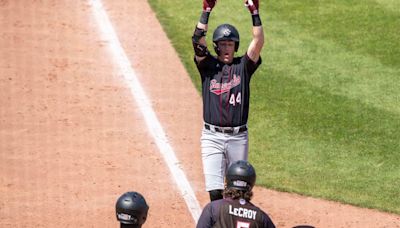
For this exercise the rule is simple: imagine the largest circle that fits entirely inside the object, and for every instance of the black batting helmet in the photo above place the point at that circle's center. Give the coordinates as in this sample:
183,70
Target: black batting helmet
241,176
131,209
226,32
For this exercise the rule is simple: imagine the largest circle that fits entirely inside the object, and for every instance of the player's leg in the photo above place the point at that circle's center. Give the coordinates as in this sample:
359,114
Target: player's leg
213,157
238,147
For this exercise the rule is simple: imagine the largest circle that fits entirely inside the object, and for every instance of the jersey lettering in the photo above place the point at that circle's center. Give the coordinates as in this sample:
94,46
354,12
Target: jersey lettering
242,212
218,88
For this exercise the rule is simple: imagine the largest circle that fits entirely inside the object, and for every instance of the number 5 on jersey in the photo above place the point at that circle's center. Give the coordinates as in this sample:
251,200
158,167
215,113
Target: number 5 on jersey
242,224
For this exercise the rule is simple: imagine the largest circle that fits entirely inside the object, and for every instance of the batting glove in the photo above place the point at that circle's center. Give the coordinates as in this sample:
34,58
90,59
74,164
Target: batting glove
208,5
252,5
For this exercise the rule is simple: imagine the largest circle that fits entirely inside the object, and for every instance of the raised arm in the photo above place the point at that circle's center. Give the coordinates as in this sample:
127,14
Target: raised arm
257,43
199,35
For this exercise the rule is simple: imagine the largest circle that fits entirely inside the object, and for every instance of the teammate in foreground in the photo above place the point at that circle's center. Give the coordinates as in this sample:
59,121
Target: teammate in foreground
131,210
226,93
236,210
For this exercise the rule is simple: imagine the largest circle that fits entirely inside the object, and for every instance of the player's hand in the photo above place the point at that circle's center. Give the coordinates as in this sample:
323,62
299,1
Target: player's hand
252,5
208,5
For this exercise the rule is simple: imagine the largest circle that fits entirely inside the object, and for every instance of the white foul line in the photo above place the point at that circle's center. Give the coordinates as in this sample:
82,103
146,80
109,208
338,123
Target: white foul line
145,107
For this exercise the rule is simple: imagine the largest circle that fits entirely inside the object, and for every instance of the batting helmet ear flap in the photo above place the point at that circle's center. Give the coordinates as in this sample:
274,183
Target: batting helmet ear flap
216,48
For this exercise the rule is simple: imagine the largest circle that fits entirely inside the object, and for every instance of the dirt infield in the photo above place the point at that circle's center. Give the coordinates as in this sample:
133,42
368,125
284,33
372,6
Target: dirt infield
72,138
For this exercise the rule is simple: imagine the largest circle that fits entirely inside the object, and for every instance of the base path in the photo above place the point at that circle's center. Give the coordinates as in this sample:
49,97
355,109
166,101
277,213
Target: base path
72,137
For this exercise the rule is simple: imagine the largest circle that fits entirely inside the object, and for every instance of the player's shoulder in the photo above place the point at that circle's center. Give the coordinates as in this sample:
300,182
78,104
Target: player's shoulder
254,206
217,204
245,59
264,214
238,59
206,61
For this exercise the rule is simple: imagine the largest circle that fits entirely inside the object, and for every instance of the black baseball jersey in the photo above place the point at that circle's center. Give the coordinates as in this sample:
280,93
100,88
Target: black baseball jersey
227,212
226,90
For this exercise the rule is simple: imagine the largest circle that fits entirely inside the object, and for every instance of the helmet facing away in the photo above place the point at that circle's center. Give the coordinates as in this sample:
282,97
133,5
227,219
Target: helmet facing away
241,176
225,32
131,208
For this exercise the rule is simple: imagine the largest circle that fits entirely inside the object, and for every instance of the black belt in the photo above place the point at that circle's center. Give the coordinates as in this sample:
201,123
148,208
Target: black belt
227,130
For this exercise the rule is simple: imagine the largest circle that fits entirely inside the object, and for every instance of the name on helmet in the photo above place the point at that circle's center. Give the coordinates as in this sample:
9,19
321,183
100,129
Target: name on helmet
125,217
239,183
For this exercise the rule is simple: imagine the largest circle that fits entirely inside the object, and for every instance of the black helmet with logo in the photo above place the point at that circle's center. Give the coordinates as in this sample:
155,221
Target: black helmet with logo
226,32
241,176
131,209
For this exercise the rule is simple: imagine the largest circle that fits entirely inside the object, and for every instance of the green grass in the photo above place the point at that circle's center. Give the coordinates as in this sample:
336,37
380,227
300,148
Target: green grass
325,106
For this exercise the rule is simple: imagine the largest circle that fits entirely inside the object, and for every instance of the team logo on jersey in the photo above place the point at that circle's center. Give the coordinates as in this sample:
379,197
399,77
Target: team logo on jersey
220,88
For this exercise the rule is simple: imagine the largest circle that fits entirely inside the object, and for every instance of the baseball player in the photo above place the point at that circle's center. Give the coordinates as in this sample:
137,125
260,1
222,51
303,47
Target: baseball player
226,93
131,210
236,210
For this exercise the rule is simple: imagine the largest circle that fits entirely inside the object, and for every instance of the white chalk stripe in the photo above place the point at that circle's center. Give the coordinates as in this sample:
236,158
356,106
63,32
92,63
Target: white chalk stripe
149,115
